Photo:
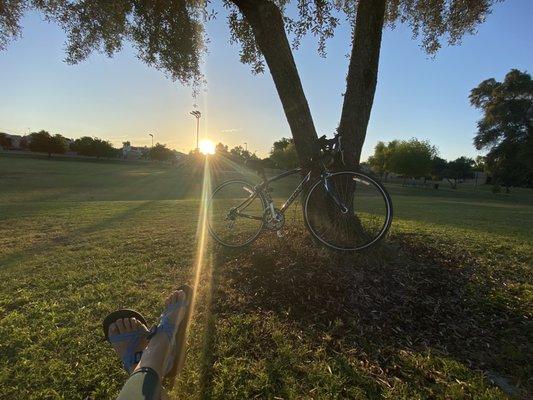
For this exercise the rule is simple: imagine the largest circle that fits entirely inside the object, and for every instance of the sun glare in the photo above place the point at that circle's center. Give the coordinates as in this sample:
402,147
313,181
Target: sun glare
207,147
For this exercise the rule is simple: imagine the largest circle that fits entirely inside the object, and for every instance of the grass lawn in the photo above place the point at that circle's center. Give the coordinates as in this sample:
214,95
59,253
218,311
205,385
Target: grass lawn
441,311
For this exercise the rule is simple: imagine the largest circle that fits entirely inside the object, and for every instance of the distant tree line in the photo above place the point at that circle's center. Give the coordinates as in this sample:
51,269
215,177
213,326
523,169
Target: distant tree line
282,155
419,159
94,147
160,152
44,142
237,154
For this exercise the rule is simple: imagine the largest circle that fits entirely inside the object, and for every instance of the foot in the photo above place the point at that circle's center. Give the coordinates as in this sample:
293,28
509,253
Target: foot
159,351
128,336
173,314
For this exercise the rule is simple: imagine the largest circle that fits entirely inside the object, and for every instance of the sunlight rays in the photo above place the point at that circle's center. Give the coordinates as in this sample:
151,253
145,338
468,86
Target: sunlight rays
203,264
202,234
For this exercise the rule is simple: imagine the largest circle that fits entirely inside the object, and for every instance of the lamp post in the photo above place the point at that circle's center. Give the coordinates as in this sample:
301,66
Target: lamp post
152,138
246,146
197,114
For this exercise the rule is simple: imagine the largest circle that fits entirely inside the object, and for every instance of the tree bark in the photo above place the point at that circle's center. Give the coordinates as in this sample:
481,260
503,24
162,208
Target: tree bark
267,25
362,78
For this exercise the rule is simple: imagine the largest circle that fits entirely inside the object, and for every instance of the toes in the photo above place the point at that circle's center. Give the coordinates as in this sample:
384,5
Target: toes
120,325
113,329
139,324
135,324
174,296
127,324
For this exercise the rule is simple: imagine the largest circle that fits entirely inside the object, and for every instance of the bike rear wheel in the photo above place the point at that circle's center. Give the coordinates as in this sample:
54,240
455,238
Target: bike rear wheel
236,213
364,221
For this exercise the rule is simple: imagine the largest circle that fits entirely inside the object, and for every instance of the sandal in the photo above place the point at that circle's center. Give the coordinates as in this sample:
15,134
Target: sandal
130,358
176,335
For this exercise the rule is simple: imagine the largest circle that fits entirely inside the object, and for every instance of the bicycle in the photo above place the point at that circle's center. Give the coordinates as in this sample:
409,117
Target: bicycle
344,210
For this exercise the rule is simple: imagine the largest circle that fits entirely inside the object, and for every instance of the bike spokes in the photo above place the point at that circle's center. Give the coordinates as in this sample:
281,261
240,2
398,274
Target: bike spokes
236,214
364,220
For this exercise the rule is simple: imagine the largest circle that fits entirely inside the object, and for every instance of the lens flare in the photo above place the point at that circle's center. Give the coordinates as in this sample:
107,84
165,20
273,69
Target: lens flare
203,261
207,147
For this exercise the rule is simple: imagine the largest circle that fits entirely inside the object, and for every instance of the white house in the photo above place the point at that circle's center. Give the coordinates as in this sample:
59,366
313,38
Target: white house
130,152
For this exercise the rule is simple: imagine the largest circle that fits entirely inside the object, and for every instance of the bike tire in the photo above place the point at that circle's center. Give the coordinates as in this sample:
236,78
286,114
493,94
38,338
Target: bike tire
385,197
212,230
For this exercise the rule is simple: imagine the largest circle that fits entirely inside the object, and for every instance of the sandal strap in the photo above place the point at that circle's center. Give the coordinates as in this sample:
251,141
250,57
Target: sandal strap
130,356
121,337
169,328
165,324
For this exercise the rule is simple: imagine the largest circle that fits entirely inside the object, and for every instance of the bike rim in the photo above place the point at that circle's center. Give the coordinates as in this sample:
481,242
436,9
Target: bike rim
241,230
368,219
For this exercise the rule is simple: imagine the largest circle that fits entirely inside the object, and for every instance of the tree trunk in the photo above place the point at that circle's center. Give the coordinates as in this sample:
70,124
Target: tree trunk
362,78
267,25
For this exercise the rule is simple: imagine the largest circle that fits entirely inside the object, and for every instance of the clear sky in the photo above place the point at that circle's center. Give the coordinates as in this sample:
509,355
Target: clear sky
122,99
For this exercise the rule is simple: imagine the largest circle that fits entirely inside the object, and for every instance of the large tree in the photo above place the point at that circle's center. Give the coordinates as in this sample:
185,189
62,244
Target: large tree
380,160
283,154
506,128
459,169
93,147
412,158
161,152
43,142
169,35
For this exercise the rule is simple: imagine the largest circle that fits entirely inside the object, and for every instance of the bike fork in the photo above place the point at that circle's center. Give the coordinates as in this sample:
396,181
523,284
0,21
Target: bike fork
330,190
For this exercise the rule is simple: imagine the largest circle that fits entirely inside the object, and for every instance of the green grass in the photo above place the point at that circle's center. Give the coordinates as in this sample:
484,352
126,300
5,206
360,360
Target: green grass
440,311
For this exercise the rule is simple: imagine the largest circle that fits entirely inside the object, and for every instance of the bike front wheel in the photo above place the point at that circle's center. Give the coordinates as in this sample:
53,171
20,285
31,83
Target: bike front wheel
236,213
348,211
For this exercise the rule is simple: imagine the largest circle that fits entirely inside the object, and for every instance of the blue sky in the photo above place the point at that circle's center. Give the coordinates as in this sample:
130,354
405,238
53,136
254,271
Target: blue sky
122,99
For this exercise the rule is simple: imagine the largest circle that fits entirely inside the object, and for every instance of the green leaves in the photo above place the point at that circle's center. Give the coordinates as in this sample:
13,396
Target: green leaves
506,128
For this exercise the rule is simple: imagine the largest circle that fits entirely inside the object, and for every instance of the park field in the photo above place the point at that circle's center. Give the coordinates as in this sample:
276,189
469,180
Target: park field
441,310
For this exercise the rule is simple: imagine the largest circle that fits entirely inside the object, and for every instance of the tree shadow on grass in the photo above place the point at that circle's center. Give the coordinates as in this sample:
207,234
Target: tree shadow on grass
64,239
403,300
160,189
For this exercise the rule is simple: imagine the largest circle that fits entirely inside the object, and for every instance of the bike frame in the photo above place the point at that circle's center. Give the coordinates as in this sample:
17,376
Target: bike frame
263,185
261,189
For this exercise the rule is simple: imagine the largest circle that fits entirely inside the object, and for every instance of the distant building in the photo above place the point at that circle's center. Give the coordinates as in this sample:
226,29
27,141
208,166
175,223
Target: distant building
130,152
17,141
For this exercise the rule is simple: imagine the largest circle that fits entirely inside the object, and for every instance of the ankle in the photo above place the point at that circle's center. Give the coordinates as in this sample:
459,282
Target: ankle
155,354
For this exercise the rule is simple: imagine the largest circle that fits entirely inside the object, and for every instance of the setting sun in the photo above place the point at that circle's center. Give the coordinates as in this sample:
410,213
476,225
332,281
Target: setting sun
207,147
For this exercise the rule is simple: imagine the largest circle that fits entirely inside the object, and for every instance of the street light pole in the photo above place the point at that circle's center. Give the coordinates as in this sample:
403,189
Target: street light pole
152,139
245,146
197,114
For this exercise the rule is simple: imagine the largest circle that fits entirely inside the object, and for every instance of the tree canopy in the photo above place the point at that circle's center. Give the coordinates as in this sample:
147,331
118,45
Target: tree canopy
43,142
412,158
170,35
283,154
380,160
506,127
458,169
94,147
160,152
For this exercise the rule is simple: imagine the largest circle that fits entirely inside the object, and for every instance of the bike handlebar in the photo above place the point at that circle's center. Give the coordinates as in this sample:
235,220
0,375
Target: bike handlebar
329,143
